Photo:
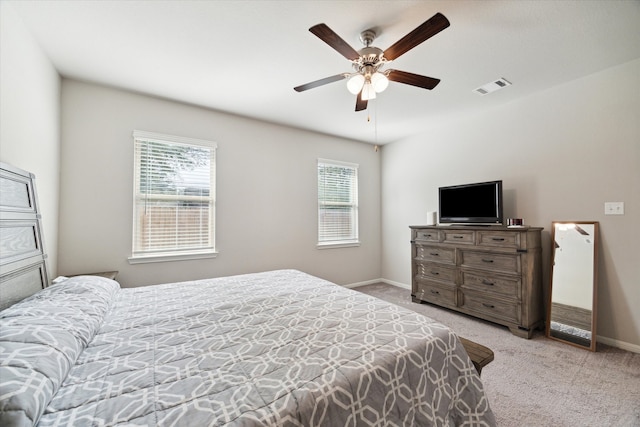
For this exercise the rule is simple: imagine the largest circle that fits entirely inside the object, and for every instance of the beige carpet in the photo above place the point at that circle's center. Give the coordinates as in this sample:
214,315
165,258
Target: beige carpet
541,382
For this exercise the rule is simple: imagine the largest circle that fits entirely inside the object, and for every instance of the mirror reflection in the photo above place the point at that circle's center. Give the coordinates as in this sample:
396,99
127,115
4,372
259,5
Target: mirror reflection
572,305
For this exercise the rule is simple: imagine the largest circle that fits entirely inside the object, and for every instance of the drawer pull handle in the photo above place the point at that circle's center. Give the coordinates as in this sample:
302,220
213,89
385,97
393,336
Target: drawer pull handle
435,292
498,239
434,254
487,260
486,282
488,305
434,273
458,237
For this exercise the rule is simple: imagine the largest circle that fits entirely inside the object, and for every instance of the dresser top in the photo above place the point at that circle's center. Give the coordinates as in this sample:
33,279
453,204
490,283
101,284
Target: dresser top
491,227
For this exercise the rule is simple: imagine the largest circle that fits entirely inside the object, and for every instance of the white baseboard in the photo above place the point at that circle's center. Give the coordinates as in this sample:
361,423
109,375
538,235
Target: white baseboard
370,282
367,282
398,284
619,344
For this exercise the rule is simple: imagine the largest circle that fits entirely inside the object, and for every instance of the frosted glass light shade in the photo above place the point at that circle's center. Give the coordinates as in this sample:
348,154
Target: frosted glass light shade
368,92
354,84
379,82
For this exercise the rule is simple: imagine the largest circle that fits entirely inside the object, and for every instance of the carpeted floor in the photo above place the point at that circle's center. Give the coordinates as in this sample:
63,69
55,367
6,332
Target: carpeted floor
541,382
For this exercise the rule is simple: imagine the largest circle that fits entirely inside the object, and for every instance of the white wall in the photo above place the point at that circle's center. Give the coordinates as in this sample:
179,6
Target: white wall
561,154
30,118
266,191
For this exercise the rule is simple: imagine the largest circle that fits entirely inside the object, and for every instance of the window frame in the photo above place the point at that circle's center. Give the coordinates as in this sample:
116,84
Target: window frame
355,214
139,256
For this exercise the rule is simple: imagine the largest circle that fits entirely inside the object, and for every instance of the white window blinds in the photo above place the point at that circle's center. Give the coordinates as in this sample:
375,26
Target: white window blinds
174,195
337,203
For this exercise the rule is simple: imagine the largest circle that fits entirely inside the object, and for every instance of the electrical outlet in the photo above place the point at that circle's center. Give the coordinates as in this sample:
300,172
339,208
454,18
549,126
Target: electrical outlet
614,208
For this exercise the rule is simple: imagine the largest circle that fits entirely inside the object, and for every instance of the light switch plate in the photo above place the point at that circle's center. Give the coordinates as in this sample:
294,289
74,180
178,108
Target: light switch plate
614,208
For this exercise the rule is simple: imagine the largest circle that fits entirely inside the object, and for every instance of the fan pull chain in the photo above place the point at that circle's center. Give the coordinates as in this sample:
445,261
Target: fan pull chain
375,148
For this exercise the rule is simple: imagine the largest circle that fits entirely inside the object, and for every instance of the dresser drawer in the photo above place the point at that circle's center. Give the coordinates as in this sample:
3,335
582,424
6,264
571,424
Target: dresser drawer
499,239
508,263
462,237
433,271
491,308
428,235
435,254
437,294
508,286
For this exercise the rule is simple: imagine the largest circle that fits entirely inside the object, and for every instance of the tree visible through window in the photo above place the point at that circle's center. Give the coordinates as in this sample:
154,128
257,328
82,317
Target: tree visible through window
174,191
337,203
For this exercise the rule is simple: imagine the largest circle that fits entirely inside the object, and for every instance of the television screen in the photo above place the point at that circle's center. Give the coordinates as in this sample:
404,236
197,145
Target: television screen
478,203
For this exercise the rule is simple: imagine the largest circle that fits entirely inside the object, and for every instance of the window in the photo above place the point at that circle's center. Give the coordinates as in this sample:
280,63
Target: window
174,198
337,204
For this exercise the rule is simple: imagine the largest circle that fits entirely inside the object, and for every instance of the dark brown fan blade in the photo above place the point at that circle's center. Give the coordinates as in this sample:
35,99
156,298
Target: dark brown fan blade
320,82
413,79
327,35
427,29
361,104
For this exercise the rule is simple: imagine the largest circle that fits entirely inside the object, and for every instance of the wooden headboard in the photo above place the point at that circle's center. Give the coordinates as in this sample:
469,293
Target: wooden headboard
23,261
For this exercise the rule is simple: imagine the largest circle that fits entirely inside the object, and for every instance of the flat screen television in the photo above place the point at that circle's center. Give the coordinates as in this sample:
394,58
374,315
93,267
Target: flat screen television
477,203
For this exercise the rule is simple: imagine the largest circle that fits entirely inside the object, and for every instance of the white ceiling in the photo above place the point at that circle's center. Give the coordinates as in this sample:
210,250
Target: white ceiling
245,57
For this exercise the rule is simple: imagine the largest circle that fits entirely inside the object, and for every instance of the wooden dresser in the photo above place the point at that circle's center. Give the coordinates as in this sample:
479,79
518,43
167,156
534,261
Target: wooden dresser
493,272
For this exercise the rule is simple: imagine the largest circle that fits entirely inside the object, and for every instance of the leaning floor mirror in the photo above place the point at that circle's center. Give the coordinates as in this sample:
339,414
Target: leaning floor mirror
572,298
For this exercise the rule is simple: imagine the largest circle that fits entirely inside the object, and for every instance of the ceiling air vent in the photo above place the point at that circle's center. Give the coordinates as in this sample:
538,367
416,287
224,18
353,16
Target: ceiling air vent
492,86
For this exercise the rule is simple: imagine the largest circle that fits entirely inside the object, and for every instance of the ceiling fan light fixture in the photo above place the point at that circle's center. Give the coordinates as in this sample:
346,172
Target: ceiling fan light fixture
355,83
379,81
366,81
368,92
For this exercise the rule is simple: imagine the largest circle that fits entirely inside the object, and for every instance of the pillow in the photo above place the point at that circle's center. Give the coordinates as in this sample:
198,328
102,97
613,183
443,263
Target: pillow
41,338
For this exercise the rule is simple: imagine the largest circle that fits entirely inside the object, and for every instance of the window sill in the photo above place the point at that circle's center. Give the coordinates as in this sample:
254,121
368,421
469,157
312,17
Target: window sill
143,259
337,245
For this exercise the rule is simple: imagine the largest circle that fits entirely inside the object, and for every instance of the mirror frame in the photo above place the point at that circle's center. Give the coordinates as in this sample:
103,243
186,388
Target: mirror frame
594,302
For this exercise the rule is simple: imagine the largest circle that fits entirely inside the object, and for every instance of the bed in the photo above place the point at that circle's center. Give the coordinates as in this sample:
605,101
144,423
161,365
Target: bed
277,348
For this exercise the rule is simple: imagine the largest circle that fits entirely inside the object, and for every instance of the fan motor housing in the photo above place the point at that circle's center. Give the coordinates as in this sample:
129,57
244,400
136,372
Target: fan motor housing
369,56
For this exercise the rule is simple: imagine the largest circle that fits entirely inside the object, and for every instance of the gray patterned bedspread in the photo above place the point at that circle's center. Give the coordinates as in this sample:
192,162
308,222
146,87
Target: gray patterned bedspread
281,348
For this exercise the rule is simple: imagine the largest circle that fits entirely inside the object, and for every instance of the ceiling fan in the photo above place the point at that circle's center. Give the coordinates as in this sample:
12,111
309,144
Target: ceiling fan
368,79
